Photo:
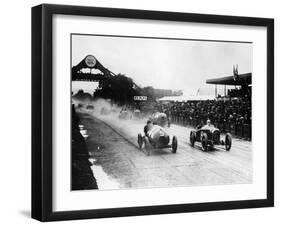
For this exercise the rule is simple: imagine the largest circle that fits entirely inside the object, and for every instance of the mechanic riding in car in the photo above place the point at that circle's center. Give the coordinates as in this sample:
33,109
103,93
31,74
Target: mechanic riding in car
208,125
147,127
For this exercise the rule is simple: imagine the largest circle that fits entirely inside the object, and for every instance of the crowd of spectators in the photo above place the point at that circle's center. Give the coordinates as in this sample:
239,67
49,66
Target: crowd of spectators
243,92
228,115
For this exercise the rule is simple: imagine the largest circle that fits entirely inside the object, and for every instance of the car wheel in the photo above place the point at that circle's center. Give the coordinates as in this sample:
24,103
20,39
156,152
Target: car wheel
228,141
192,138
147,145
204,142
140,141
174,144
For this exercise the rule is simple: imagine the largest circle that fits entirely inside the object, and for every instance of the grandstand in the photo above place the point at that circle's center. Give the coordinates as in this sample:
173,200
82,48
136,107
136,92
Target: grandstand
230,113
243,81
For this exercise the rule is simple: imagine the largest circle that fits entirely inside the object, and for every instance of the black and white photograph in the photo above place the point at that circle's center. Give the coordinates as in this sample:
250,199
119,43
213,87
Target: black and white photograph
156,112
145,112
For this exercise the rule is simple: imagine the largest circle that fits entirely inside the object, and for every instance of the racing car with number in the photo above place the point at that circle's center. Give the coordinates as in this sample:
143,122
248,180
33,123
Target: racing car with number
157,136
209,138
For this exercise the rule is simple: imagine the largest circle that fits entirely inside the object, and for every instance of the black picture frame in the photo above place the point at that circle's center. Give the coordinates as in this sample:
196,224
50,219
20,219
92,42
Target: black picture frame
42,111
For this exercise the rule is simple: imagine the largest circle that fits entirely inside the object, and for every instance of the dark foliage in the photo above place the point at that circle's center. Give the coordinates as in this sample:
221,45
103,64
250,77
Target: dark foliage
81,95
119,88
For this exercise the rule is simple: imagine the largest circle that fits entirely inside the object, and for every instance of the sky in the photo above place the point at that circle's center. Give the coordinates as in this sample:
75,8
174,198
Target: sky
163,63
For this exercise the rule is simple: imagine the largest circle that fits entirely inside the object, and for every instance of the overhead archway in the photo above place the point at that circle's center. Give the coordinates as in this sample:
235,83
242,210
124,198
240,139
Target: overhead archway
90,62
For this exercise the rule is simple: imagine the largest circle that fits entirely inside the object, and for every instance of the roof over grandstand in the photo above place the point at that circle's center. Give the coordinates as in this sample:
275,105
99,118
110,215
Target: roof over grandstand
241,79
187,98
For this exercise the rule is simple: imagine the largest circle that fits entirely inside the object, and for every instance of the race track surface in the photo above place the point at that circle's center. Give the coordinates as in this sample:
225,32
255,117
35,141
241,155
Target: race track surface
120,164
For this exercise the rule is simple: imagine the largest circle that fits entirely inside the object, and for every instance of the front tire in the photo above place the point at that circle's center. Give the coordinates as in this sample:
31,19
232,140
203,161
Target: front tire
174,144
140,141
228,141
192,138
204,142
147,146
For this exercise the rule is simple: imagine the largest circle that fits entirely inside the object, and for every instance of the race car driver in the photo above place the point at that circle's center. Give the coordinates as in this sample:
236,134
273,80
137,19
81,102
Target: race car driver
147,127
208,125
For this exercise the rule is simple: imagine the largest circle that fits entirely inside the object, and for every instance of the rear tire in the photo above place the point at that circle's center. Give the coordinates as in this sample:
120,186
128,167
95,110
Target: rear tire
192,138
174,144
228,141
204,142
140,141
147,146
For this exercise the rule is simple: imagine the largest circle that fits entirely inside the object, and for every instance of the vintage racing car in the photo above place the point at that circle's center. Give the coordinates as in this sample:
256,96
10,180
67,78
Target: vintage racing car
160,118
157,136
104,111
125,114
90,107
80,105
137,114
209,138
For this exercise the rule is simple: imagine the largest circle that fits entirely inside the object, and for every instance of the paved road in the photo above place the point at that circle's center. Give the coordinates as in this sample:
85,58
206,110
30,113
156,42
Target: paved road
118,163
